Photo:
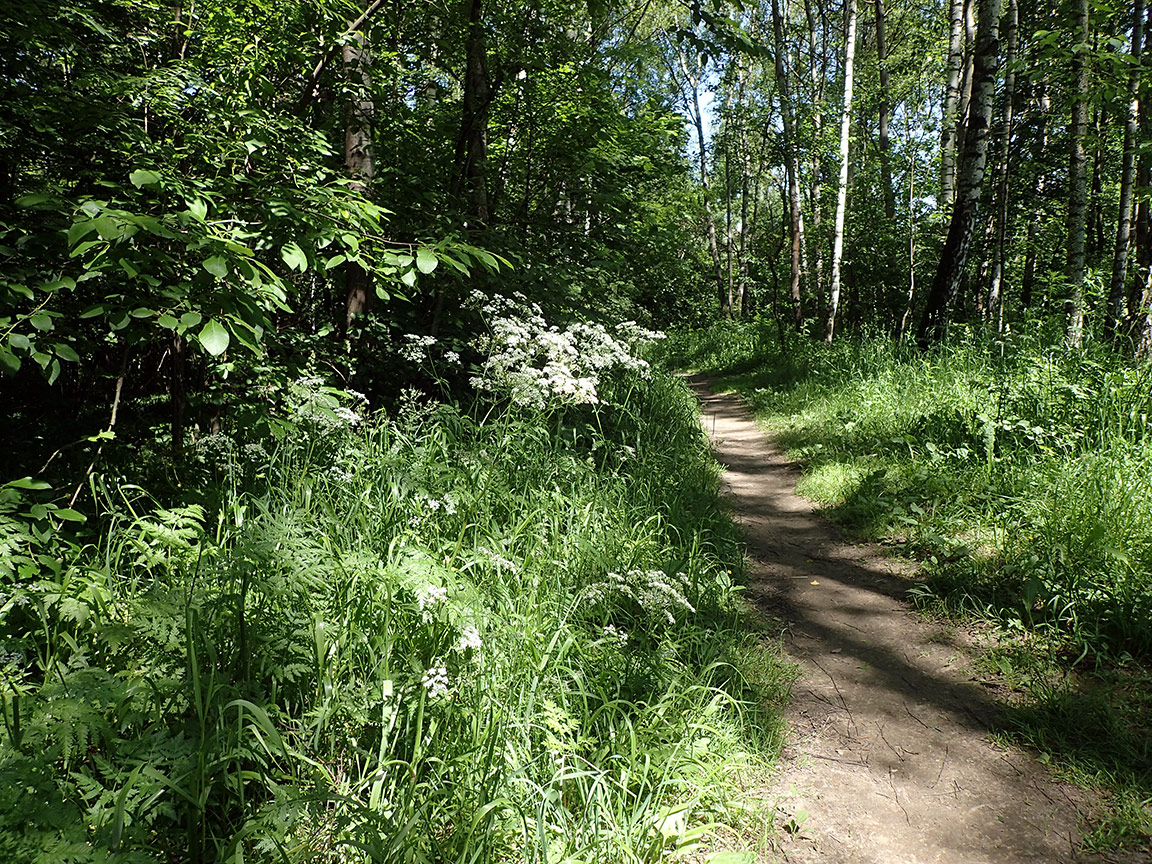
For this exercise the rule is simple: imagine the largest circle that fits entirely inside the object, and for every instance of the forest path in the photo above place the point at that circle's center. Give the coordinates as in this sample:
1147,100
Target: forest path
888,749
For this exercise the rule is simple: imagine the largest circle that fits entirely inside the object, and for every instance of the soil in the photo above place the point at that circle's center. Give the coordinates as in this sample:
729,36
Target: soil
889,758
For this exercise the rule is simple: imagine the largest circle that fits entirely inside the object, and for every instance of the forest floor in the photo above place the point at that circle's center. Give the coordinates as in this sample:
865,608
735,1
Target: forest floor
890,757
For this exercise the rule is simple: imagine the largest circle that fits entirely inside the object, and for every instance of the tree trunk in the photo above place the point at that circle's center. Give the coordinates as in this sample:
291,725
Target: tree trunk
796,221
1123,243
996,286
951,103
693,79
885,108
359,113
842,189
1140,291
469,183
969,180
1077,186
1028,280
813,251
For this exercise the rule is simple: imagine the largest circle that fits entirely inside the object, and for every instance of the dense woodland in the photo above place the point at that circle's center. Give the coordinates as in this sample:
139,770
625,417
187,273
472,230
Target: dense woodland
342,516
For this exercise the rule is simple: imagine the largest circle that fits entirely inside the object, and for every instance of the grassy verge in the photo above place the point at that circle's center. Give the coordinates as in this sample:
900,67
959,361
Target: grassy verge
430,638
1021,478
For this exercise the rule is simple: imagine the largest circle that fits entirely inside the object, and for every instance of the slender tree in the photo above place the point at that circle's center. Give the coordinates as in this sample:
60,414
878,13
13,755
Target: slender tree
996,284
1118,282
796,219
1077,183
842,188
969,181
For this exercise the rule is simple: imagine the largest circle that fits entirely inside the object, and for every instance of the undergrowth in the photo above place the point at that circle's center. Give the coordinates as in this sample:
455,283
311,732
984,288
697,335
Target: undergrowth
1020,476
439,636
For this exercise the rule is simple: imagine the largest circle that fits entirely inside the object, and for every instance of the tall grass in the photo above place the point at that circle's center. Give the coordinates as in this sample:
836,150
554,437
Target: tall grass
434,637
1020,475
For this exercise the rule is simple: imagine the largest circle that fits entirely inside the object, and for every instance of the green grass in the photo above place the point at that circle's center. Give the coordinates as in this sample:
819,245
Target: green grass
436,637
1020,476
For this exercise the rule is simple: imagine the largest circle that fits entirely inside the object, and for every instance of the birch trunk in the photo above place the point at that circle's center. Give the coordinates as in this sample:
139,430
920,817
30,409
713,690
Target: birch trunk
359,115
796,220
1077,187
951,102
970,179
888,192
996,282
1123,243
842,189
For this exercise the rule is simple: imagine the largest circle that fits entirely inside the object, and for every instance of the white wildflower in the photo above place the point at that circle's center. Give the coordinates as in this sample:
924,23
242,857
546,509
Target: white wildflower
435,681
469,638
427,597
615,634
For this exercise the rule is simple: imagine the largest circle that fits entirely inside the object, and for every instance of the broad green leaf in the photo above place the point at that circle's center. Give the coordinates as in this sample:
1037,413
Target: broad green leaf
79,231
69,515
214,337
408,277
9,362
143,177
19,342
42,359
191,319
66,352
167,322
53,371
28,483
56,285
425,261
142,312
107,227
334,262
217,266
294,256
198,208
92,311
41,321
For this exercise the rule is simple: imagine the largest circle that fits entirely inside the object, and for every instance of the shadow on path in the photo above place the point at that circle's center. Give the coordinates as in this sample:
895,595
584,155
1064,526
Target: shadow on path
890,754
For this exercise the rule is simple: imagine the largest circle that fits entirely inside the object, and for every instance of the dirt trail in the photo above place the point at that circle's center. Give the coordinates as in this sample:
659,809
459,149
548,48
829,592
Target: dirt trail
889,752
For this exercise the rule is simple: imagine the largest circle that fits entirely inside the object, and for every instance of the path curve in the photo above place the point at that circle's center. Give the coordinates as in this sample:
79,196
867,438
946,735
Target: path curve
888,751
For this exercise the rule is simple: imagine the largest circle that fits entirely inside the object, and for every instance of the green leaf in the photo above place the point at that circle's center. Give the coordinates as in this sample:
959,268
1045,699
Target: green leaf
28,483
408,277
198,209
294,257
215,338
425,261
143,177
9,362
42,321
731,858
92,311
66,352
53,371
79,231
217,266
19,342
334,262
167,322
190,319
69,515
57,284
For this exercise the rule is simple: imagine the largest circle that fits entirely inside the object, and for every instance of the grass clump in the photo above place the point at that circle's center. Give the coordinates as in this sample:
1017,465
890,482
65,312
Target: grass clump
438,636
1019,475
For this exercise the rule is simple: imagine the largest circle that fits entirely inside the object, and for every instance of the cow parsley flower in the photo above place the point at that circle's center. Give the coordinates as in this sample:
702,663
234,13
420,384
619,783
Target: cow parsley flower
435,681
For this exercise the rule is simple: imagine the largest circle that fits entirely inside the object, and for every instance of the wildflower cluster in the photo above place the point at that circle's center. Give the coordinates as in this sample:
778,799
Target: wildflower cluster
314,405
536,364
654,591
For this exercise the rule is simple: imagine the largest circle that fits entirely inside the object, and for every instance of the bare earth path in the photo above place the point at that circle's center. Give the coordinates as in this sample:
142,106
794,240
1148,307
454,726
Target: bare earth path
889,751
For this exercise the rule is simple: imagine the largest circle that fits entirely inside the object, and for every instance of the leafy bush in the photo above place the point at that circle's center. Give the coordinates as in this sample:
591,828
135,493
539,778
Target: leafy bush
406,642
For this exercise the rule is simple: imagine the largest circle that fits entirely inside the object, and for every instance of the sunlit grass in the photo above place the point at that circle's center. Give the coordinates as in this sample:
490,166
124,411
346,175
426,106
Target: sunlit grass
1020,477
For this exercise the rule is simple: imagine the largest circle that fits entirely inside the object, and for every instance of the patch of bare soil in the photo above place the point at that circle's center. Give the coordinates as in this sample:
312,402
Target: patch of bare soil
889,759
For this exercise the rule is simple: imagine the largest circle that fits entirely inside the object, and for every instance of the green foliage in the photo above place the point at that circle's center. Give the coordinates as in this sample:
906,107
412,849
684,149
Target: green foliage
408,643
1017,473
